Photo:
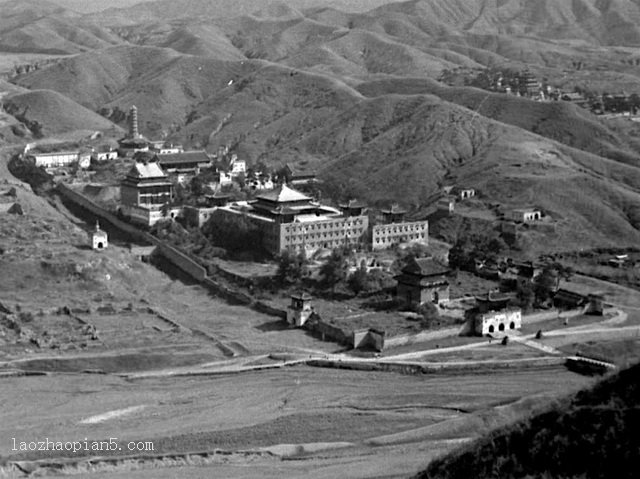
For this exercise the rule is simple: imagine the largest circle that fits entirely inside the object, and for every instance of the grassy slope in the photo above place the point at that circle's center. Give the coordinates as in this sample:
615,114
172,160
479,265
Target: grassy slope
592,435
558,121
57,113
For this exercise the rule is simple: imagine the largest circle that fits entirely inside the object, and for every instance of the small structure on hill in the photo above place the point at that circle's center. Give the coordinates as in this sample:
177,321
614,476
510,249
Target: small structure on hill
464,193
524,215
493,322
99,238
423,280
565,299
300,309
446,204
596,304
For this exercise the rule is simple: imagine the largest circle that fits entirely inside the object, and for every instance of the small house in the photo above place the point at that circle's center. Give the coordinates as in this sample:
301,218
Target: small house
99,238
524,215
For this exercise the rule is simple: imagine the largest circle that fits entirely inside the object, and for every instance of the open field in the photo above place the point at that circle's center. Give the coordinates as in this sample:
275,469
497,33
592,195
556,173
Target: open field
292,406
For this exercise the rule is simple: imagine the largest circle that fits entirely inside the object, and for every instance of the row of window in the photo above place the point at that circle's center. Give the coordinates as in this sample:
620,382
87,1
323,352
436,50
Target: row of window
324,226
406,228
401,239
321,236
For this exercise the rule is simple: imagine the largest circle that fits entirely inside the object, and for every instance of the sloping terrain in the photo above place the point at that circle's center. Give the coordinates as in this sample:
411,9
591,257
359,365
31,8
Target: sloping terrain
54,112
558,121
592,435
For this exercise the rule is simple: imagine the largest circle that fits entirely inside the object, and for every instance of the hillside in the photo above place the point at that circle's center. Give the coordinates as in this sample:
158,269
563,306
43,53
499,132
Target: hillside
559,121
52,112
591,435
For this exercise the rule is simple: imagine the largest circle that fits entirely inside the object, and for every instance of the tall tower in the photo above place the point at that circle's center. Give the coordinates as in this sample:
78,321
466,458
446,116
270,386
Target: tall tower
133,123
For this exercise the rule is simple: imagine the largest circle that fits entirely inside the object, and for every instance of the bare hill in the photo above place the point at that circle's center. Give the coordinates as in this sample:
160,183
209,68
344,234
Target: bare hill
558,121
54,112
612,22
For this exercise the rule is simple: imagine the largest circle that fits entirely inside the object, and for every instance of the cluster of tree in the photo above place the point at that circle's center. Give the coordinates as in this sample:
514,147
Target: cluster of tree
334,273
238,235
36,176
475,245
292,268
190,240
544,285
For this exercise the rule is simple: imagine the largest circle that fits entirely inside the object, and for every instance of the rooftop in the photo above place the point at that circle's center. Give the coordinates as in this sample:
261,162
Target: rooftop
395,209
185,157
425,267
146,170
283,194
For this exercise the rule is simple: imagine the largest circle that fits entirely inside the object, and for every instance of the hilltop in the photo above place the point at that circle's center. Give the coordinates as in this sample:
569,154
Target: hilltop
590,435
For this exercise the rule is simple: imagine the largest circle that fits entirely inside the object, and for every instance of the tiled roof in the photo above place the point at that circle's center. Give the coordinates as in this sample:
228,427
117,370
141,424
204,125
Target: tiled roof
185,157
425,267
147,170
395,209
283,194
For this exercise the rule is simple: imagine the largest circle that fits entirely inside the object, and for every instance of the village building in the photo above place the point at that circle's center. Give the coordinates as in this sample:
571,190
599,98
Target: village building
524,215
394,214
261,183
162,147
236,166
99,238
291,221
54,159
184,165
104,155
146,193
446,205
422,281
300,309
464,193
297,176
84,159
493,322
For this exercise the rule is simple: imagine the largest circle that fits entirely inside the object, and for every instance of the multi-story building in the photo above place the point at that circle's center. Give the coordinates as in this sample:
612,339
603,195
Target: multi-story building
292,221
389,235
423,280
145,194
394,230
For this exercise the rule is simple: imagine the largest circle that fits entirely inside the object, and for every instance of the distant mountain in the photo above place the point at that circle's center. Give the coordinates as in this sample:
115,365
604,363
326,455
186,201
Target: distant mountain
591,435
38,26
169,10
